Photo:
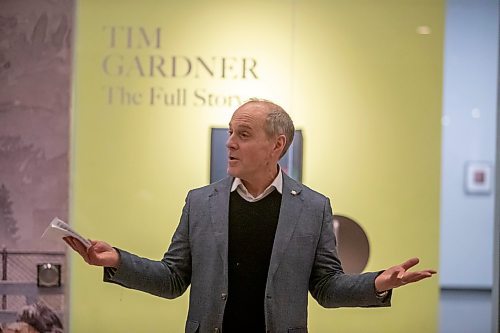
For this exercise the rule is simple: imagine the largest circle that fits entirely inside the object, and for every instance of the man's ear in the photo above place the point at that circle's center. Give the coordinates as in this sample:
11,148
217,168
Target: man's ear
280,144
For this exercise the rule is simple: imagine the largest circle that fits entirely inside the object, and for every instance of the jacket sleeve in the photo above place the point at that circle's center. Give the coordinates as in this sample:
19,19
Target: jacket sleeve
169,277
328,283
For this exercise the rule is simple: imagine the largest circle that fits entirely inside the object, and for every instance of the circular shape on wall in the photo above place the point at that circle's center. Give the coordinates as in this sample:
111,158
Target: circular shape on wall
353,246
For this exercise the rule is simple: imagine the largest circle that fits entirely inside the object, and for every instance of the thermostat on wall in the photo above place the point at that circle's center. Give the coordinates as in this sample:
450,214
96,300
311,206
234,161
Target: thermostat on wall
478,177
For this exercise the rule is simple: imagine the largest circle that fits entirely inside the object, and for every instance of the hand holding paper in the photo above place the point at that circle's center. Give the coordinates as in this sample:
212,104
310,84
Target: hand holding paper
98,254
58,229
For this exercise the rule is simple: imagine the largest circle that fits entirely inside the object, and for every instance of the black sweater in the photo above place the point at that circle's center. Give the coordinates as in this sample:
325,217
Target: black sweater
252,227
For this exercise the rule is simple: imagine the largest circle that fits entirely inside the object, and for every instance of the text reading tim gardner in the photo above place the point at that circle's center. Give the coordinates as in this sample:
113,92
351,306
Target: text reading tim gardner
134,54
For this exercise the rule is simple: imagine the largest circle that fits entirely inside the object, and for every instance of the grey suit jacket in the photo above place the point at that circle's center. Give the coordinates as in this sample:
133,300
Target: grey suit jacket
303,259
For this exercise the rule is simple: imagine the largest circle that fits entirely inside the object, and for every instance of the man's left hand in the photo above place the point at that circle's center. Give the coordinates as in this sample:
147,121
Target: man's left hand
399,275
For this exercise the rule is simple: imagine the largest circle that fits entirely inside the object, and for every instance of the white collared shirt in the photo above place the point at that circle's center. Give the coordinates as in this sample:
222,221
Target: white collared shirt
243,192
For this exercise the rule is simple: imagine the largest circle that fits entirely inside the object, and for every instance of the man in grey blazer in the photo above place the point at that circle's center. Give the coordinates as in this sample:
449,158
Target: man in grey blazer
253,244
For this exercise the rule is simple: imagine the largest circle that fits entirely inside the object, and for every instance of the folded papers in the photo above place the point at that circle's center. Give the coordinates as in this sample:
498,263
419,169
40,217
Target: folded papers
58,229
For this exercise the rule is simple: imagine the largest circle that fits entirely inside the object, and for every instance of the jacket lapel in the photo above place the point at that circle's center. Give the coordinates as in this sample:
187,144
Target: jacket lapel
219,213
290,213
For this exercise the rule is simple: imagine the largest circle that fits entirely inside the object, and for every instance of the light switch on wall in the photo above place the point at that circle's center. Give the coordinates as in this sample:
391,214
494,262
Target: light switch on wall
478,177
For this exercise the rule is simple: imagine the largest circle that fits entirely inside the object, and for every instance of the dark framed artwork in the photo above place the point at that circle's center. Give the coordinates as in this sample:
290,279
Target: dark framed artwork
291,163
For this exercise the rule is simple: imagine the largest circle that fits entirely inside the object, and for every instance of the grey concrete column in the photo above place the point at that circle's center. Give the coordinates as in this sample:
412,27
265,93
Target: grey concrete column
495,325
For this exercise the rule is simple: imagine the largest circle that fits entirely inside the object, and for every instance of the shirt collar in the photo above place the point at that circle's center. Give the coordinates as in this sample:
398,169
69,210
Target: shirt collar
243,192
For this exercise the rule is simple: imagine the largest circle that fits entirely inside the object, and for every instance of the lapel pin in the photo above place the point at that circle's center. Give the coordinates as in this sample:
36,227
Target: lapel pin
294,192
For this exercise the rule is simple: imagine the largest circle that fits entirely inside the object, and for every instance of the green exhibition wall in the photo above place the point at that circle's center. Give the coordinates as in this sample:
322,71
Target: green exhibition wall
361,79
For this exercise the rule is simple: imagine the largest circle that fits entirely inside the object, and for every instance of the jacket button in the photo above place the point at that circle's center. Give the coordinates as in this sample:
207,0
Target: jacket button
223,296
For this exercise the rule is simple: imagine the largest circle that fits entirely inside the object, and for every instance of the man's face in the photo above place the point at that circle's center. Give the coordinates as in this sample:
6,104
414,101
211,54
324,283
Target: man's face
251,152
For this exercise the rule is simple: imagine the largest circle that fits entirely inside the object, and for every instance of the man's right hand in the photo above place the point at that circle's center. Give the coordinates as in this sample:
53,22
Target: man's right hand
99,254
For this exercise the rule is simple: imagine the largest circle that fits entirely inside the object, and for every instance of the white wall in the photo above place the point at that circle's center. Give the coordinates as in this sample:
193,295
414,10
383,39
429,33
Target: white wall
470,84
470,95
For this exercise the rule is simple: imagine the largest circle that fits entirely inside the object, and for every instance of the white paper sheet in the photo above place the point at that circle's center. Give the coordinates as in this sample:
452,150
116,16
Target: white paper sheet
58,229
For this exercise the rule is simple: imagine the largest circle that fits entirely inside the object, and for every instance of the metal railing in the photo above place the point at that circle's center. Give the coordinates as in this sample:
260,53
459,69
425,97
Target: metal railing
18,285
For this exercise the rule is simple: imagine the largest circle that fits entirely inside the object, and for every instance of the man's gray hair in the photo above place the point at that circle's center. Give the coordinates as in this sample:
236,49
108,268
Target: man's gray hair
278,122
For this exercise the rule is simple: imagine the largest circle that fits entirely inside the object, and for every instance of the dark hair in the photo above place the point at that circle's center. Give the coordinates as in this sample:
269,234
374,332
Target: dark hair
41,317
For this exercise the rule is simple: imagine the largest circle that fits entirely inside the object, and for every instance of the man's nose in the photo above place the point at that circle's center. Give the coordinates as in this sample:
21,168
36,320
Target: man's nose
230,143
